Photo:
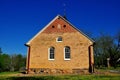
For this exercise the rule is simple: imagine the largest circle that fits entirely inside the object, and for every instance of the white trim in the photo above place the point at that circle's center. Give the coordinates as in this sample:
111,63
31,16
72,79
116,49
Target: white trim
57,39
52,22
67,59
49,55
64,55
42,30
77,29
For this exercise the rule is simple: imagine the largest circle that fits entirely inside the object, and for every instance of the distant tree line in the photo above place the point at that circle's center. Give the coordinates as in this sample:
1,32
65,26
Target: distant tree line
14,62
107,50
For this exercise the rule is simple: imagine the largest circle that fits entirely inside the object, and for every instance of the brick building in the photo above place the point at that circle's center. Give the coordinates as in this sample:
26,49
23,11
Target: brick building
60,48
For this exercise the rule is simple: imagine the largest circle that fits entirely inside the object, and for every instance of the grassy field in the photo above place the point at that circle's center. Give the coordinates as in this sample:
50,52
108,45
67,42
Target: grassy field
65,77
19,76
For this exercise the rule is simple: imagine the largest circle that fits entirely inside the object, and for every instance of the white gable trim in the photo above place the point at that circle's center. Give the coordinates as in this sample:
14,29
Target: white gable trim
77,29
42,30
52,22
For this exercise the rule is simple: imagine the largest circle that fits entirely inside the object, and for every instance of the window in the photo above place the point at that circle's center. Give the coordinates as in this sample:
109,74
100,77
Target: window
59,39
51,53
67,53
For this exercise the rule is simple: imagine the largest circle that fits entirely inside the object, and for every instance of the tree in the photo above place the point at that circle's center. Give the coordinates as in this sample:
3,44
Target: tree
115,51
107,47
11,62
4,62
0,51
103,44
17,61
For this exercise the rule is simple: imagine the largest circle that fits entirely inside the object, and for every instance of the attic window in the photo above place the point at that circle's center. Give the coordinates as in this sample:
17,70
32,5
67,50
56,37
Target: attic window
64,26
59,39
53,26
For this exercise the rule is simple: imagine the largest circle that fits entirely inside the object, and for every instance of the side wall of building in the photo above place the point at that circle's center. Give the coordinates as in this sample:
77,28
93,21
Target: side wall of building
78,44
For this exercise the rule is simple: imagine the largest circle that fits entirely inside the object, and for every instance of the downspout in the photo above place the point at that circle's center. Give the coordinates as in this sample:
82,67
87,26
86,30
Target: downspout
91,65
28,58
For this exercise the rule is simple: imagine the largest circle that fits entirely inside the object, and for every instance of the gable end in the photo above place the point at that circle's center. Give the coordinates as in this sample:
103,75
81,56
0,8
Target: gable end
46,29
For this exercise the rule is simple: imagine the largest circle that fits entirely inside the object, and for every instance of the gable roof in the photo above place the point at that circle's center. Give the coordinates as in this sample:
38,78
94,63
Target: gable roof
58,16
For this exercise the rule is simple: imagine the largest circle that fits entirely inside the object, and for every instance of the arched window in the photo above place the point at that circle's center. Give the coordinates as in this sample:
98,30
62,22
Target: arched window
59,39
51,53
67,53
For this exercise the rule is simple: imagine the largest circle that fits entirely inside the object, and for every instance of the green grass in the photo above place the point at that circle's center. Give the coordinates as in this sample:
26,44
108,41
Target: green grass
19,76
110,68
62,77
7,73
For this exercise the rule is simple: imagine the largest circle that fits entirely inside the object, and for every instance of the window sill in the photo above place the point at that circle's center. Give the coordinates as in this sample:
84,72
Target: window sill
51,59
58,41
66,59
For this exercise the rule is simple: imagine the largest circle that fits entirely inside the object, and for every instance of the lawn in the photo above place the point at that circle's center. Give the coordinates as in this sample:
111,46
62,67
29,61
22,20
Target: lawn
8,73
62,77
19,76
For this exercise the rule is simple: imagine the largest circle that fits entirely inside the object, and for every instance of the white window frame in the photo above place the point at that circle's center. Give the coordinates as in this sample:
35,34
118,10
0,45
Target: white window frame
64,55
57,39
49,54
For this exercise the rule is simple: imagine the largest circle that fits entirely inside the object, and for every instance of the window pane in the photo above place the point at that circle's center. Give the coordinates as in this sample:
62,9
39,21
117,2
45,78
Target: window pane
51,53
51,56
59,39
67,55
67,52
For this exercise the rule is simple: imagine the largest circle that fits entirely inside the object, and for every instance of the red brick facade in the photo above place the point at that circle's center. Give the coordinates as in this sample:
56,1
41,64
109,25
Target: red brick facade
62,27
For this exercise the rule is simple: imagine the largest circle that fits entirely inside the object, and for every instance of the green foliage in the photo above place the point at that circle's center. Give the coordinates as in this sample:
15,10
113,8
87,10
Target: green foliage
11,62
17,61
4,62
106,47
0,51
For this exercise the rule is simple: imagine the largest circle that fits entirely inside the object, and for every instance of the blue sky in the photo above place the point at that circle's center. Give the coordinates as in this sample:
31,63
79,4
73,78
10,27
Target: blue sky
20,20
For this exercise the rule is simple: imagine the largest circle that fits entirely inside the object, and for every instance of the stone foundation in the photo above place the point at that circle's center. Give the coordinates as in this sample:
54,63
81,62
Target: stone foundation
57,71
